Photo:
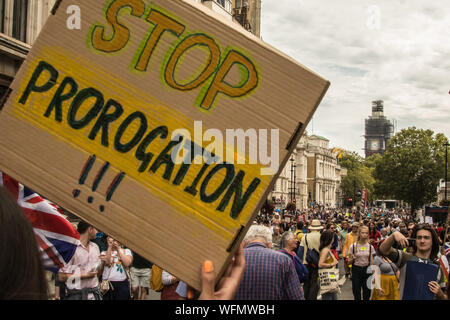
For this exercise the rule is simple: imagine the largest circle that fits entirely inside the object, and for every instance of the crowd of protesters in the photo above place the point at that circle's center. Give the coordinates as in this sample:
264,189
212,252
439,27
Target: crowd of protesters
284,256
373,245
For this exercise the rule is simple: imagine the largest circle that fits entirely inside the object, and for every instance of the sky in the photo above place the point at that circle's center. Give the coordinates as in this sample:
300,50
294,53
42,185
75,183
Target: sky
397,51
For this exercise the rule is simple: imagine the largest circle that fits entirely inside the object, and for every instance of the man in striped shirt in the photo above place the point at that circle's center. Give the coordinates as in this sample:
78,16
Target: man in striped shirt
269,274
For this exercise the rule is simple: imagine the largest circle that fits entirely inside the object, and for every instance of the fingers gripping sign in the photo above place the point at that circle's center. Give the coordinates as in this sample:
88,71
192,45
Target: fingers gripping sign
226,288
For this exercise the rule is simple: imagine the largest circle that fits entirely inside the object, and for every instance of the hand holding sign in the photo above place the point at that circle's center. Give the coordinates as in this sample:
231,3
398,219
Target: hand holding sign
227,286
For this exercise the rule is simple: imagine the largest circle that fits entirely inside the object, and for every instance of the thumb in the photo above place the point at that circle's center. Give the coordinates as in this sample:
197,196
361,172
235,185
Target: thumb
208,281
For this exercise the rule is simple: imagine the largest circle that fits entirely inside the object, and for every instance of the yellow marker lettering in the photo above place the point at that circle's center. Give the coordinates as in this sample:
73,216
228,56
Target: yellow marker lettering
121,34
190,42
162,23
219,85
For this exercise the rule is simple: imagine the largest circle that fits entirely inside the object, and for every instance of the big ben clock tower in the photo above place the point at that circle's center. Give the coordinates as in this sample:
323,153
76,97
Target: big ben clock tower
378,130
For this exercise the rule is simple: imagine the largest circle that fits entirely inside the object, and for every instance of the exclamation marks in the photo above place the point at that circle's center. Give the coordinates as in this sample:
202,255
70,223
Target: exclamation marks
84,173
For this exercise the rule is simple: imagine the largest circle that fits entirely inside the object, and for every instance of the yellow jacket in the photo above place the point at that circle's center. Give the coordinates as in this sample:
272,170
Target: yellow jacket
349,240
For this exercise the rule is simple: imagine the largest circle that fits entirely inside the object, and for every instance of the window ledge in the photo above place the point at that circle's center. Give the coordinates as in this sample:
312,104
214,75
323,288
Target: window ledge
14,47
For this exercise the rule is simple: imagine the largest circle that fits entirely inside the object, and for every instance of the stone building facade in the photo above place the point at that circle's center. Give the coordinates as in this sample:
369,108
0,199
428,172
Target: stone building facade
311,176
20,23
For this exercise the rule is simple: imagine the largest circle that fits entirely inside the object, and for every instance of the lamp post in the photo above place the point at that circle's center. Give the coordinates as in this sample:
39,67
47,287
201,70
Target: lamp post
292,176
295,183
445,182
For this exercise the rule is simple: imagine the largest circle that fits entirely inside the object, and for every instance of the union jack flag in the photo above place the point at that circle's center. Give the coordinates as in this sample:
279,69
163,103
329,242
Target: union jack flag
56,236
444,261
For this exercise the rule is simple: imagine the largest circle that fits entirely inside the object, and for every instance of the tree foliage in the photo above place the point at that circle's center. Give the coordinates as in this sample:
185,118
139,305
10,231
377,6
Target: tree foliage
290,206
359,176
411,166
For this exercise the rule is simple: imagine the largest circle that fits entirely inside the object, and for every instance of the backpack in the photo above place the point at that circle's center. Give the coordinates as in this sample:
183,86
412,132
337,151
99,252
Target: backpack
312,256
302,271
156,279
300,251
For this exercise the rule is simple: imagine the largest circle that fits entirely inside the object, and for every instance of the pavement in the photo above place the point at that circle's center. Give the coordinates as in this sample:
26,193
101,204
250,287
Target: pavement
346,284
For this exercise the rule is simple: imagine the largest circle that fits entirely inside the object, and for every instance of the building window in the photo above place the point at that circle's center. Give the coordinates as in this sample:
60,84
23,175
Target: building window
14,18
20,12
241,3
226,4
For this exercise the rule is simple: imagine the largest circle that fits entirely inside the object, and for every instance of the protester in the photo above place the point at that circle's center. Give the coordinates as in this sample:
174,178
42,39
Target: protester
100,240
276,238
284,226
403,229
272,272
116,260
360,256
289,244
425,250
276,220
170,283
410,229
387,277
349,240
327,260
140,277
299,232
374,235
335,244
384,234
309,242
80,274
342,235
22,276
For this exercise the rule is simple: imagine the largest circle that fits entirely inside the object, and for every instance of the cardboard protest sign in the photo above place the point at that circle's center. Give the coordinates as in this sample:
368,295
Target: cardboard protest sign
161,123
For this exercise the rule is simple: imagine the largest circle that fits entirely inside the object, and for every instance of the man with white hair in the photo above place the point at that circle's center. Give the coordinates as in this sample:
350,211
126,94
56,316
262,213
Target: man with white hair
269,274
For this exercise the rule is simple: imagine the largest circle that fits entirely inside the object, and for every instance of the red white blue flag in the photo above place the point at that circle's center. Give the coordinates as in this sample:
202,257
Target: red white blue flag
56,236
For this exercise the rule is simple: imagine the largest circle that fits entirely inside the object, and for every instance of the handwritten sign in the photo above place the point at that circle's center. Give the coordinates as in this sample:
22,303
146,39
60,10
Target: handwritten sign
126,122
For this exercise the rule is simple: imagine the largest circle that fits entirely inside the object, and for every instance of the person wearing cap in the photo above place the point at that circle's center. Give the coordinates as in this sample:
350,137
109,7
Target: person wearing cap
311,241
276,219
349,240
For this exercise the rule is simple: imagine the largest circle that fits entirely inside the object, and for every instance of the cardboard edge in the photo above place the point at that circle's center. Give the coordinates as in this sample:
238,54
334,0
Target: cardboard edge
56,7
5,97
237,27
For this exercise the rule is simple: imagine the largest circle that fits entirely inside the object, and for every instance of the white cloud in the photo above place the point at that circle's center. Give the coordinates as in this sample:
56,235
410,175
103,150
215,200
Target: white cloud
393,50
